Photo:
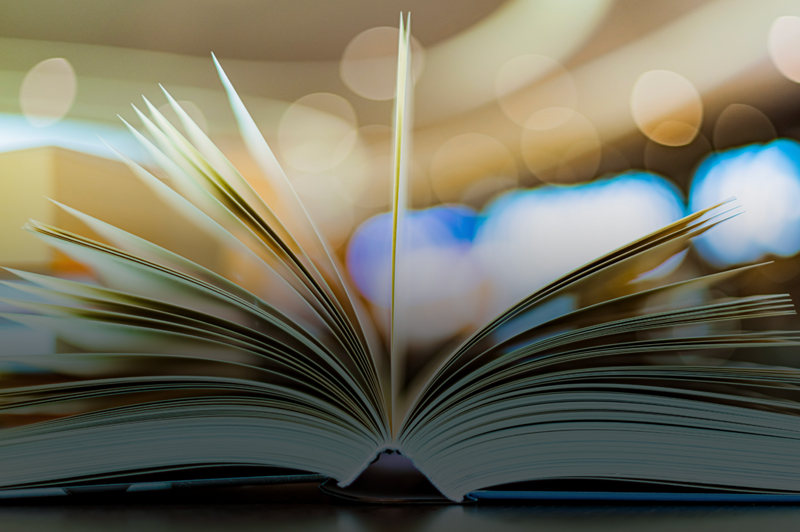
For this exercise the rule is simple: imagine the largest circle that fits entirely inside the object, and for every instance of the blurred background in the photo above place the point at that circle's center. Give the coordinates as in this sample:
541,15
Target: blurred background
547,132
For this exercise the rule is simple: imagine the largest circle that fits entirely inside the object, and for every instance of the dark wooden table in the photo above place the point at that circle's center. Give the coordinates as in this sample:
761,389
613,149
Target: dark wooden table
302,507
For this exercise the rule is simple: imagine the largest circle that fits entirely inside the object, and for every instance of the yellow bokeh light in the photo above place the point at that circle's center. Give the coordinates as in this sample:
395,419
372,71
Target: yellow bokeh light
465,160
328,203
666,107
567,153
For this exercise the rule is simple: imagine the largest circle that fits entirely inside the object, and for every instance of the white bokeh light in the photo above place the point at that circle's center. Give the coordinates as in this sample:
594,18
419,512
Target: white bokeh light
317,132
532,237
48,92
369,64
765,180
784,46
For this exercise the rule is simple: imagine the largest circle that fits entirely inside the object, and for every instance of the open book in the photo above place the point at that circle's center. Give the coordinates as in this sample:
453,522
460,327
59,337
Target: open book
171,365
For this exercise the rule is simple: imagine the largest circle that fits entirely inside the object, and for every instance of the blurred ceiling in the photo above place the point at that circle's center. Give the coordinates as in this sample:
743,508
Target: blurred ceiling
258,30
281,50
287,30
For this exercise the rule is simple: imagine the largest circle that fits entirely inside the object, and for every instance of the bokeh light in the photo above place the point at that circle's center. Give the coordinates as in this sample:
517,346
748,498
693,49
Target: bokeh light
784,46
765,180
317,132
440,277
48,92
369,63
356,173
567,153
740,124
377,190
532,237
666,107
554,98
467,159
328,203
678,162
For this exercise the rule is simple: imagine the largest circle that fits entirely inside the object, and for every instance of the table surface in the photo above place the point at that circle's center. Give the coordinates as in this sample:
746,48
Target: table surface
302,507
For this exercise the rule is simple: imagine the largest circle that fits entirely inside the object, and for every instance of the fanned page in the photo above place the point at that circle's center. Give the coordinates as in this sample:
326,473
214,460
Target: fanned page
601,386
265,357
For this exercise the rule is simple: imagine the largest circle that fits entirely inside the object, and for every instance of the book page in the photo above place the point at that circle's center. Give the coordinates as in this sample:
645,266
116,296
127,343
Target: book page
306,250
607,279
402,152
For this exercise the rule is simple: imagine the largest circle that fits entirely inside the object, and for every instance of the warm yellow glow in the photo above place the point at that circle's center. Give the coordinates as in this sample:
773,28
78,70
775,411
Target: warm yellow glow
355,172
369,63
103,187
48,91
377,192
784,46
27,180
465,160
317,132
567,153
328,203
372,183
666,107
554,99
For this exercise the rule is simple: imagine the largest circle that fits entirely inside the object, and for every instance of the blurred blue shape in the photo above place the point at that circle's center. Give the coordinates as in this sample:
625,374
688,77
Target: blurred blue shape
369,252
530,237
459,220
659,197
765,180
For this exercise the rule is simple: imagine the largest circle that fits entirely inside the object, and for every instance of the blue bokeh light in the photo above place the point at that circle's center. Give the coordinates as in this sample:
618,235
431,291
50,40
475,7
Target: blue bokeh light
461,269
369,253
531,237
765,180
